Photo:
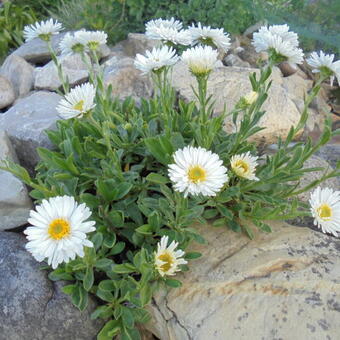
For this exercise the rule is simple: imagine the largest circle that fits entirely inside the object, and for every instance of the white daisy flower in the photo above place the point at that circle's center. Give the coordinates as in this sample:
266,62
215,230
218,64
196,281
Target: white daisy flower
244,165
324,63
59,230
279,43
79,101
197,171
200,59
156,59
168,34
92,40
43,30
167,259
206,35
151,25
70,44
325,208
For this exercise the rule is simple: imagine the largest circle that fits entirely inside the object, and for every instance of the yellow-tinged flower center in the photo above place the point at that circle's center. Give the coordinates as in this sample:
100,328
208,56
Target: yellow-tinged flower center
197,174
325,212
168,259
59,228
242,165
79,106
93,45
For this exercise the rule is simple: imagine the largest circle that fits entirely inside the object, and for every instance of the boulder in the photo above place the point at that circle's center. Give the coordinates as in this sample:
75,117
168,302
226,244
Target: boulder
7,94
32,306
228,84
136,43
26,121
15,203
46,77
282,285
36,50
234,60
125,79
19,72
330,153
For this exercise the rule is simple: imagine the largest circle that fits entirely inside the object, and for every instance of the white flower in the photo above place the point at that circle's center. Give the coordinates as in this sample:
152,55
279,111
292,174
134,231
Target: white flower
324,63
206,35
168,31
279,43
77,102
167,259
251,97
197,171
92,40
325,208
43,30
200,59
151,25
71,44
244,165
156,59
58,230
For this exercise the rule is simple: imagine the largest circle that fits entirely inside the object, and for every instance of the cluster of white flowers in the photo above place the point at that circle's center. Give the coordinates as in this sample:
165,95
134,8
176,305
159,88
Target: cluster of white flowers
278,41
43,30
199,171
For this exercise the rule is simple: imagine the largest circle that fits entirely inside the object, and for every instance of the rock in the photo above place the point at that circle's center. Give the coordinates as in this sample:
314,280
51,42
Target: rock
282,285
330,153
228,84
125,79
46,77
234,60
309,177
247,52
26,121
36,50
254,28
7,94
136,43
287,70
19,72
15,203
32,306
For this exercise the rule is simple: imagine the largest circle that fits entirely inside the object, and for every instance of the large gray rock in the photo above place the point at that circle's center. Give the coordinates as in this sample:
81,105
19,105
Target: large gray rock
32,307
330,153
125,79
36,50
228,84
26,122
282,285
136,43
15,203
7,94
46,77
19,72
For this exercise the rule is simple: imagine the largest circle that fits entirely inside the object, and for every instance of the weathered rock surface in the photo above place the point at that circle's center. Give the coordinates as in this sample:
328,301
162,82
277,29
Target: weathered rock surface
15,203
282,285
36,50
46,77
228,84
125,79
7,95
33,307
137,43
19,72
26,121
330,153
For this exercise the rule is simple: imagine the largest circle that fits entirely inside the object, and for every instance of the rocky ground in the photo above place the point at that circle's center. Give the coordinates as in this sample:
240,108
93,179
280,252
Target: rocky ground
280,285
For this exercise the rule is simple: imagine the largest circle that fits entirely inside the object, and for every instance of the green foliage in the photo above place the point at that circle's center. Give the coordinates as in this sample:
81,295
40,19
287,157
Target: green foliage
13,18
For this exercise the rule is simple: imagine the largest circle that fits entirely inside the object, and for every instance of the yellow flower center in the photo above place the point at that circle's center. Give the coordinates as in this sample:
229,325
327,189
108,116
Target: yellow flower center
59,228
168,259
79,106
325,212
197,174
242,165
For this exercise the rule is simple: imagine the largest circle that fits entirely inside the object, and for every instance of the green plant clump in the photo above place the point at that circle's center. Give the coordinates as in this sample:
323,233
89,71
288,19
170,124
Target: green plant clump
115,158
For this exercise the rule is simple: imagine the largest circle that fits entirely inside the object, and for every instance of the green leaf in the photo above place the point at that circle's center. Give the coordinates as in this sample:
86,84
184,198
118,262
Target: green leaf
80,297
224,211
105,295
59,274
109,240
173,283
68,289
219,222
210,213
104,264
157,178
117,218
125,268
110,329
130,334
107,285
145,293
122,190
117,249
107,189
192,255
102,312
144,229
127,317
88,278
161,148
